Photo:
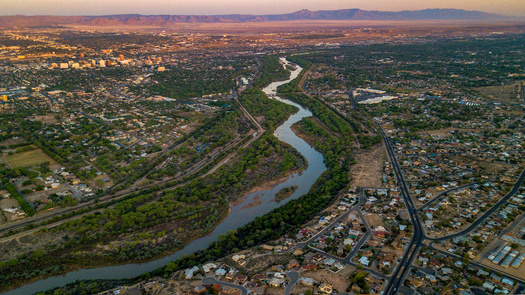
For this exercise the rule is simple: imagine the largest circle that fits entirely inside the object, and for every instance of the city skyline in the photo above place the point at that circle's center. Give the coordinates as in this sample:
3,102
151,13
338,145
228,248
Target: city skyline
208,7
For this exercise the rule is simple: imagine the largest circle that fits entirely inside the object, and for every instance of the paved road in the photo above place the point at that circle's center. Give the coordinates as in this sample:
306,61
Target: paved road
114,196
368,233
402,270
348,258
439,177
492,209
444,193
294,277
212,280
336,221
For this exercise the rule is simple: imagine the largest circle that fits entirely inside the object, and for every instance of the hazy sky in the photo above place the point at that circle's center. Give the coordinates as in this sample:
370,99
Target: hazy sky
210,7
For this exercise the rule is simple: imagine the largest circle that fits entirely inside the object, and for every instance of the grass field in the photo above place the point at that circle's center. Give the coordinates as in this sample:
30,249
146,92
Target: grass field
27,159
502,93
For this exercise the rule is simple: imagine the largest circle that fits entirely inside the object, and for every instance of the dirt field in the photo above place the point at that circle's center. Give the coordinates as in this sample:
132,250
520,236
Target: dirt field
8,203
27,159
374,220
488,167
504,93
46,119
368,171
446,132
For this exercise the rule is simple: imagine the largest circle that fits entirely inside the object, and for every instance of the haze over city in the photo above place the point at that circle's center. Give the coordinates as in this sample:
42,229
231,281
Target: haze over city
214,7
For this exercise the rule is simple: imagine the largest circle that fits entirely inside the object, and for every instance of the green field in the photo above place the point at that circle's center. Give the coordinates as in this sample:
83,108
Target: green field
27,159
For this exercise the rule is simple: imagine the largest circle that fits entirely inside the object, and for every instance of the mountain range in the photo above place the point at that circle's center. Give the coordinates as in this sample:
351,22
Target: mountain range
166,20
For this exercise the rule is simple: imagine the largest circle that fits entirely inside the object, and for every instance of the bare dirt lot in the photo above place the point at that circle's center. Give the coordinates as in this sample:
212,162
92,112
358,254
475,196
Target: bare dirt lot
368,172
47,119
488,167
374,220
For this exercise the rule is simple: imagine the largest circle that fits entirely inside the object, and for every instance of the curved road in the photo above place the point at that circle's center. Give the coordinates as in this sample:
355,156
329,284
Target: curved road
294,277
492,209
444,193
212,280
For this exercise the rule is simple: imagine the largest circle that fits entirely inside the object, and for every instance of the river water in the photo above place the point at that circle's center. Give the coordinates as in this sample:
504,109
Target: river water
259,204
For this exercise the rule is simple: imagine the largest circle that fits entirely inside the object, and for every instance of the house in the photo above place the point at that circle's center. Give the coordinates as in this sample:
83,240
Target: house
482,273
446,270
416,283
317,258
364,261
307,281
329,261
208,267
436,263
199,289
188,273
276,282
220,272
241,278
431,278
292,263
489,286
309,266
423,260
230,275
230,290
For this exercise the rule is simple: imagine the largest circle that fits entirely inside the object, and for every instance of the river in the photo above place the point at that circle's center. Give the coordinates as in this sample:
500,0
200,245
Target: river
260,203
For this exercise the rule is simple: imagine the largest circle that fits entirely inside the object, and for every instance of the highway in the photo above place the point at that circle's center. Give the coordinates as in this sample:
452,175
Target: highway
402,270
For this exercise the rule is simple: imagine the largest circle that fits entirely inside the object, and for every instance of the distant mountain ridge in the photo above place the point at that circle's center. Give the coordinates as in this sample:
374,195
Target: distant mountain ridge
305,14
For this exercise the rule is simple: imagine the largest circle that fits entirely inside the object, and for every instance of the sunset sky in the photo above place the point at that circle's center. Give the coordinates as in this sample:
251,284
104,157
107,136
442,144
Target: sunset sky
211,7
